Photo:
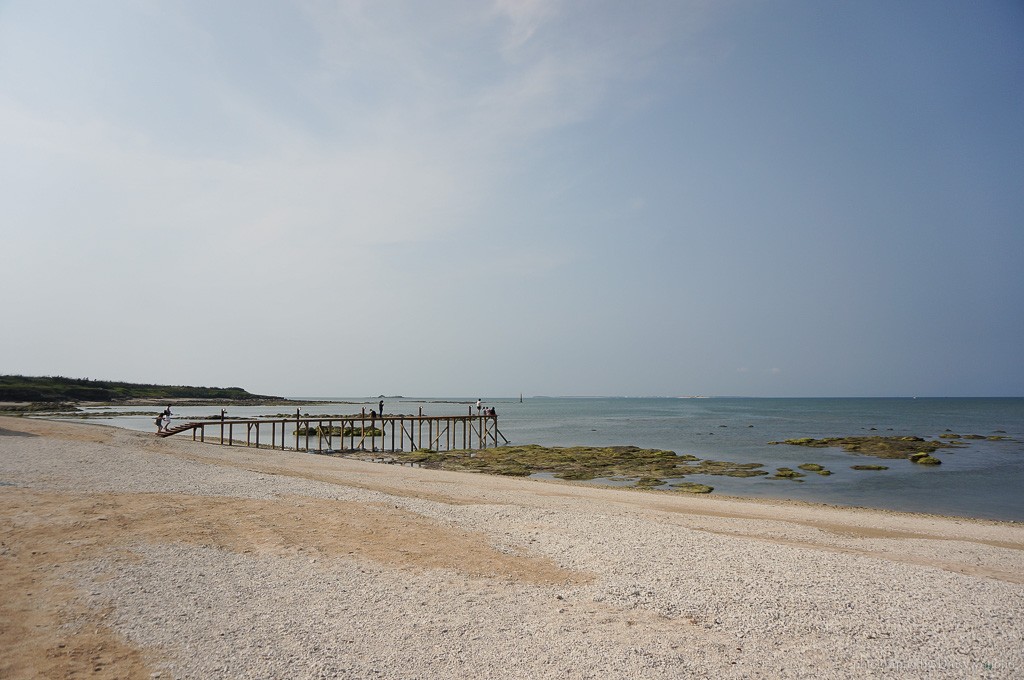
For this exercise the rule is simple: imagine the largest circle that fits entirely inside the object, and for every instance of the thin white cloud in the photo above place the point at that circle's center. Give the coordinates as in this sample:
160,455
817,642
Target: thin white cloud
401,118
525,18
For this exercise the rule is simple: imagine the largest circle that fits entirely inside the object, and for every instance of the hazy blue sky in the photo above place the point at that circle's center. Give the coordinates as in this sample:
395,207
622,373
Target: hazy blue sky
470,197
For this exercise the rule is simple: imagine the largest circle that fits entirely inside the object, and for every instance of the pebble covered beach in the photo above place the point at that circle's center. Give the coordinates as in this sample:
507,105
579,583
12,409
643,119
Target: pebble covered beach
130,556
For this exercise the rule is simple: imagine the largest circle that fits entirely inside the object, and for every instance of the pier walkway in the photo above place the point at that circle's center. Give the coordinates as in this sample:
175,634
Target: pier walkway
348,434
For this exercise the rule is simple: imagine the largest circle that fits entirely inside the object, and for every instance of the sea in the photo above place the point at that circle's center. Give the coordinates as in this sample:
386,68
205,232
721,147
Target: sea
984,479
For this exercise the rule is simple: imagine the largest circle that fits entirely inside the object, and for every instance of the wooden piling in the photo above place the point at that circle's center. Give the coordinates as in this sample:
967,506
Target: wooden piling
407,433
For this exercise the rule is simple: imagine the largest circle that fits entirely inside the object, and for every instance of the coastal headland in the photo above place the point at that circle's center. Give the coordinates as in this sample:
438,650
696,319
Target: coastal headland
125,555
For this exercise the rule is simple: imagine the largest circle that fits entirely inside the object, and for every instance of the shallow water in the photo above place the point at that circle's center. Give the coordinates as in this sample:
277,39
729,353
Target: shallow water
985,479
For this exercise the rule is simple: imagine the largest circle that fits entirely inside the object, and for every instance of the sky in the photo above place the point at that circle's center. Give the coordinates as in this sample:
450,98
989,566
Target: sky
325,198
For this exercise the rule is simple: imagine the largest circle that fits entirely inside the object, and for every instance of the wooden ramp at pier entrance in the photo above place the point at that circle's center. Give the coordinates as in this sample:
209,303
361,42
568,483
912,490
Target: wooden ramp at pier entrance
177,428
349,434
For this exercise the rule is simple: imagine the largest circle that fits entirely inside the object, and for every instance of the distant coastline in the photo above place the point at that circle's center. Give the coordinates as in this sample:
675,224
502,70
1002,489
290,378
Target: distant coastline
20,393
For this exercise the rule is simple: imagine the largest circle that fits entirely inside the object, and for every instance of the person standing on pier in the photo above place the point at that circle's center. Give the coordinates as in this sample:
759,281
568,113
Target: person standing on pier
478,407
380,407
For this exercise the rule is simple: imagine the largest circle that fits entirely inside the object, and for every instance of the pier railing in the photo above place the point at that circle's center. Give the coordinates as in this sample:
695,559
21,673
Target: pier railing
355,433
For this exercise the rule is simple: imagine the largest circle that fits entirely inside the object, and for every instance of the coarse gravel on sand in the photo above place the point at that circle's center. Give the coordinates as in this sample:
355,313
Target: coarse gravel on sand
125,555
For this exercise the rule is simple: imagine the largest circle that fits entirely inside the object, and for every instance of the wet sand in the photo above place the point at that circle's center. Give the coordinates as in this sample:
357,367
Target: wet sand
129,556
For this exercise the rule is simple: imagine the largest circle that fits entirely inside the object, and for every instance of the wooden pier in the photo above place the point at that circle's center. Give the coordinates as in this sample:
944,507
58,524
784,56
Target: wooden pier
349,434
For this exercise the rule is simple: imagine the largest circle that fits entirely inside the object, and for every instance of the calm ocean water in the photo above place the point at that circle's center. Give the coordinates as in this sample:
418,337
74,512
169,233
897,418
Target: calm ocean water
985,479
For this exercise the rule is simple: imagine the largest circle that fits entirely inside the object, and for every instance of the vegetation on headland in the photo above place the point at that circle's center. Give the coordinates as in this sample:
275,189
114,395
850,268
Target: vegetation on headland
58,389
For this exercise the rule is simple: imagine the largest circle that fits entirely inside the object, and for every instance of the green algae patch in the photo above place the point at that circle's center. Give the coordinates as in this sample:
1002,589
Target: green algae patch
999,436
869,467
645,468
579,463
815,468
788,473
512,470
649,482
879,447
693,487
722,467
978,437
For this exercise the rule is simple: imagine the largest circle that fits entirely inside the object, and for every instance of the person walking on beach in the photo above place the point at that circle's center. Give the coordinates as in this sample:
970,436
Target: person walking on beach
167,418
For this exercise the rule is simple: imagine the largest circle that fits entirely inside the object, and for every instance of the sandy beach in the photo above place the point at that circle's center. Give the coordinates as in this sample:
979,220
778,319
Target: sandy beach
129,556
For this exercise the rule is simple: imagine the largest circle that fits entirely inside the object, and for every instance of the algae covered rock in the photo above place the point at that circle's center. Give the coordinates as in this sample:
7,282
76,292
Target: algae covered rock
787,473
722,467
649,482
693,487
579,463
879,447
814,467
511,469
